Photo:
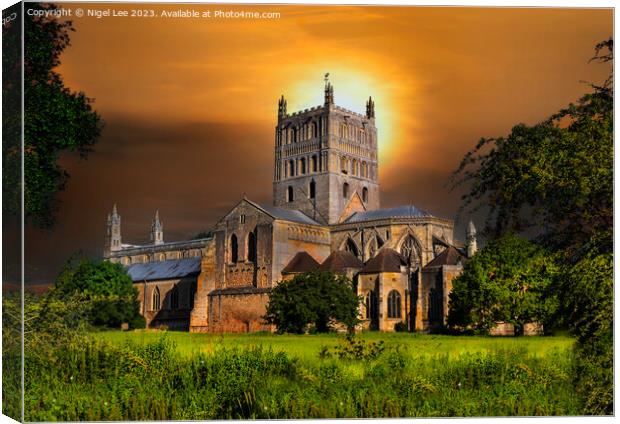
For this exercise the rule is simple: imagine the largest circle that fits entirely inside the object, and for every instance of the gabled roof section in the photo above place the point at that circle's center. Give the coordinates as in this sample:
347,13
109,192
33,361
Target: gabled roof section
164,270
285,214
338,261
450,256
355,204
386,260
301,262
407,211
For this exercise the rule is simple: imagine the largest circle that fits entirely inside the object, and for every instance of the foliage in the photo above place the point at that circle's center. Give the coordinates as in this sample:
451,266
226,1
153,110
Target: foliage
56,119
554,178
108,287
508,280
354,348
98,380
203,234
401,327
320,299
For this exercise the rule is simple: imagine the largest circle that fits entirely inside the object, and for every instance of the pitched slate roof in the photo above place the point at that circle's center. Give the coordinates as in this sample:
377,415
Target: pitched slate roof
301,262
338,261
164,270
386,260
407,211
285,214
450,256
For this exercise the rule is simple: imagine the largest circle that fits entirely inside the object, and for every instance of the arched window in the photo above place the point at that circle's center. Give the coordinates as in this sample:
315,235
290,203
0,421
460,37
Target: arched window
291,168
344,165
156,300
294,134
394,305
289,194
312,190
234,249
370,302
351,247
409,250
365,195
252,247
354,167
313,129
315,163
302,166
364,170
174,298
345,190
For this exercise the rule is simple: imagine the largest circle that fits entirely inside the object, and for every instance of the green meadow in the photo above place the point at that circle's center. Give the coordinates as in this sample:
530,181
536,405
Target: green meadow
157,375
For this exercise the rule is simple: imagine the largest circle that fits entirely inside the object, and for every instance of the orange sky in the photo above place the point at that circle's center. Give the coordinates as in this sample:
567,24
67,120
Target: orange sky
190,104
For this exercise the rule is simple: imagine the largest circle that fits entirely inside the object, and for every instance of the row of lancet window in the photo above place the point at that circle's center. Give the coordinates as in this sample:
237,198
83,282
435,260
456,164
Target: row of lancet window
394,305
251,251
301,166
354,167
351,132
290,192
298,134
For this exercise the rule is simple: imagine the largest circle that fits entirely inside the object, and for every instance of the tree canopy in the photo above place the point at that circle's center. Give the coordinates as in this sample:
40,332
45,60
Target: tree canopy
555,178
56,119
312,299
108,288
507,281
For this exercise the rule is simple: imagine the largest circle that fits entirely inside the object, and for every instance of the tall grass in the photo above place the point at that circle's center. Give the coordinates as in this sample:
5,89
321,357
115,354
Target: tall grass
99,380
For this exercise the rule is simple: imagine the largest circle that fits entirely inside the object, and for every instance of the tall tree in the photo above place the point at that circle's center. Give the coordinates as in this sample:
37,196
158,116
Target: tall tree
555,178
56,119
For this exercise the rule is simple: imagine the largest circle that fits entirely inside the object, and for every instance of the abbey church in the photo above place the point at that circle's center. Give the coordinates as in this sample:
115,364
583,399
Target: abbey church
325,216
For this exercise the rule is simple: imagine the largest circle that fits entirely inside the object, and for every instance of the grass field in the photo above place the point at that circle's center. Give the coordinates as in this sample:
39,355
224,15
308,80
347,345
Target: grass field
307,347
156,375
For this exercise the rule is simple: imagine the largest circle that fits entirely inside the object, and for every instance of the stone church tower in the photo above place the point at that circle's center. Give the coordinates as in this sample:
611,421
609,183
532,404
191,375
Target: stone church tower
326,160
113,233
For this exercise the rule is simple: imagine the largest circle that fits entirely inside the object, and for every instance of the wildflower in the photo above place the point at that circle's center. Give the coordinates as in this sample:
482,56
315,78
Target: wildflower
266,408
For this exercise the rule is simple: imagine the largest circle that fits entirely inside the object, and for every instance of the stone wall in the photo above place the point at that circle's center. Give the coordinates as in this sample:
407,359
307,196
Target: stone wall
174,318
238,310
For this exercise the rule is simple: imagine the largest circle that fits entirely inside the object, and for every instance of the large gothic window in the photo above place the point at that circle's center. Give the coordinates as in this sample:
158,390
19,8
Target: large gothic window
234,249
409,250
394,305
289,194
345,190
156,300
252,247
312,190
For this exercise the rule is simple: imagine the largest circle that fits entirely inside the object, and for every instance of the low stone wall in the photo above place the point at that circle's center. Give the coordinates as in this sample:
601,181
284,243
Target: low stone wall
238,310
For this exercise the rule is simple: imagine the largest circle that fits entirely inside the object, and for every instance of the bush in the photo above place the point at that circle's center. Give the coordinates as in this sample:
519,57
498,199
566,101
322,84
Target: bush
401,327
318,300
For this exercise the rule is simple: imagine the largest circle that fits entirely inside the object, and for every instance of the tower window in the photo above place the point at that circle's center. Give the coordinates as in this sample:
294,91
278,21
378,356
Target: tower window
291,168
344,165
345,190
234,249
242,219
252,247
302,166
312,189
365,195
314,166
289,194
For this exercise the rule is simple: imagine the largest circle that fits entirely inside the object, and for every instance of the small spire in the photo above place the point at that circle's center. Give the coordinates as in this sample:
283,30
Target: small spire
370,108
472,244
471,228
282,107
114,211
329,91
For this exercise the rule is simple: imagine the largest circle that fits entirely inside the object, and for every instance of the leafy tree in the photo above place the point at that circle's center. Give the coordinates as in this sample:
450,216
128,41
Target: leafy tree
508,280
319,299
56,119
203,234
112,296
554,178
